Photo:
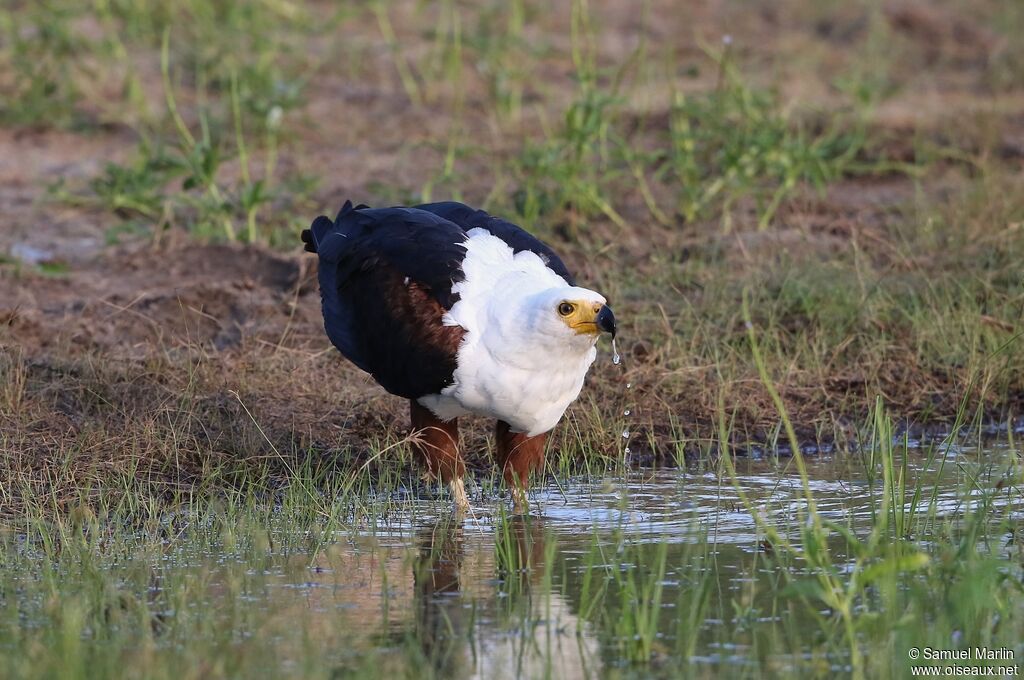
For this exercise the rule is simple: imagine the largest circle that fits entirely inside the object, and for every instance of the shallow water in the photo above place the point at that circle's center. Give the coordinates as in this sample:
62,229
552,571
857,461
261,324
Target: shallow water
500,596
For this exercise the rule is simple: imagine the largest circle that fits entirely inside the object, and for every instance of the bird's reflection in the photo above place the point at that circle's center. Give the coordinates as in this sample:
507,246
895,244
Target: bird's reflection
442,617
445,613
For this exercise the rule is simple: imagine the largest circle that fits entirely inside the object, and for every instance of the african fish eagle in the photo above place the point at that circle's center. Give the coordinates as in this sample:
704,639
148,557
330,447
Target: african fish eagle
460,313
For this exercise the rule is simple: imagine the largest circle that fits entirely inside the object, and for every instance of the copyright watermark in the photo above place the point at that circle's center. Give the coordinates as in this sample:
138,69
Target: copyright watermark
951,662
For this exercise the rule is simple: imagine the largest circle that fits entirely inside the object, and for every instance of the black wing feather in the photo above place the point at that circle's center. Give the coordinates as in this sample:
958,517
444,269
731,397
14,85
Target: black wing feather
515,236
386,278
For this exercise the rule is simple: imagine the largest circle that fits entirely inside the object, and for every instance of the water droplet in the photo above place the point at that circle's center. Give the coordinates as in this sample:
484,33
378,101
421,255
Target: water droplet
626,412
626,451
616,359
625,434
628,385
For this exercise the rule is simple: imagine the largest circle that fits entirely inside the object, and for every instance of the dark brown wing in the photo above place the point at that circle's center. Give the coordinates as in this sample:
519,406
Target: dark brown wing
385,281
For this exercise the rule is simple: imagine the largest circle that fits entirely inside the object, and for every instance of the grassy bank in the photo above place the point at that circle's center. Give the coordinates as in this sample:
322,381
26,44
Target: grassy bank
854,175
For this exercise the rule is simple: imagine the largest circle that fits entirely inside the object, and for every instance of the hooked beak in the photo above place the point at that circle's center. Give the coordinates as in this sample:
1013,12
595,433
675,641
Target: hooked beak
606,320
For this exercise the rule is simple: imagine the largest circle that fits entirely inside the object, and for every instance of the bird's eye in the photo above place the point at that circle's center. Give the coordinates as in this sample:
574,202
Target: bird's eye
566,308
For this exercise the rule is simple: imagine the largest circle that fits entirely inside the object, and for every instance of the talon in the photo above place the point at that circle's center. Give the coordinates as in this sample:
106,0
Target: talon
458,489
520,500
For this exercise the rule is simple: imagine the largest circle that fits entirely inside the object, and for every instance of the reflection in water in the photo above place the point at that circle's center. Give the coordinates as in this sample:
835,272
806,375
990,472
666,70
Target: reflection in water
442,619
516,627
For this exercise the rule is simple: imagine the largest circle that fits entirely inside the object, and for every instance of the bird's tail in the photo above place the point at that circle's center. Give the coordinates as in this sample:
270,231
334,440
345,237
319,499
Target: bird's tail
316,232
322,225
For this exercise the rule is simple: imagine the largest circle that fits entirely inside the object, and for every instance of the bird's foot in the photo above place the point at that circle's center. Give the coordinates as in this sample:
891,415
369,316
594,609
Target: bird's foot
520,501
458,489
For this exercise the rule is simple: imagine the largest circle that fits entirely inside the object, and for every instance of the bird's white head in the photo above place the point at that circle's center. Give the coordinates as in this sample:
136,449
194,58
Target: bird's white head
521,311
568,315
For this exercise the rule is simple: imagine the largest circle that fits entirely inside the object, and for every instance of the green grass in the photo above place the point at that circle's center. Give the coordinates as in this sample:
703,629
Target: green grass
720,147
39,54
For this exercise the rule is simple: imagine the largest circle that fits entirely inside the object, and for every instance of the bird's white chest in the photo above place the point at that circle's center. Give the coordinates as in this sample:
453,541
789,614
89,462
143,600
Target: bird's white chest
531,398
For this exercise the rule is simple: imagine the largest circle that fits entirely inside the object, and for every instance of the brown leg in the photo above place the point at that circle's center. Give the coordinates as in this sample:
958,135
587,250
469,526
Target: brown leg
519,457
437,448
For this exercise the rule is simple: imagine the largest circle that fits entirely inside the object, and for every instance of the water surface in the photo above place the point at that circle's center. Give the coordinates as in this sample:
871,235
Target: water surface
494,595
562,592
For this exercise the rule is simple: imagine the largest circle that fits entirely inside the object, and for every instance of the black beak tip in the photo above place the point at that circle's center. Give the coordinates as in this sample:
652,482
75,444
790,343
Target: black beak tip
606,320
